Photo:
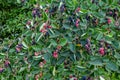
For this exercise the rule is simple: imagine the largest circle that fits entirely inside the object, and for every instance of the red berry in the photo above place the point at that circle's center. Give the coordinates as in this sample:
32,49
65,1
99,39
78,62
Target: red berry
44,61
55,54
108,20
45,25
59,47
71,76
43,30
49,26
102,51
75,78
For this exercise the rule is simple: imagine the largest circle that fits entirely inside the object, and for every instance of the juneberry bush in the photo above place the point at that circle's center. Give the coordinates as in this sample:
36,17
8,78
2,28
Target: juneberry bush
63,40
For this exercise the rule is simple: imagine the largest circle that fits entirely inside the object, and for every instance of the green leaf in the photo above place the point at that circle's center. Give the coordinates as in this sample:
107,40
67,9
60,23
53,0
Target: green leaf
75,2
12,50
111,34
65,54
47,76
37,47
66,26
81,68
2,54
72,57
37,57
18,1
111,66
63,42
117,55
53,42
47,57
100,35
94,7
22,69
54,71
39,37
72,47
116,44
84,11
24,44
96,62
61,60
108,39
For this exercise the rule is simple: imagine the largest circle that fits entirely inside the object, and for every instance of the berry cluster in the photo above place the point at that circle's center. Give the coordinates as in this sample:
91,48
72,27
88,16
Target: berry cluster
55,53
19,47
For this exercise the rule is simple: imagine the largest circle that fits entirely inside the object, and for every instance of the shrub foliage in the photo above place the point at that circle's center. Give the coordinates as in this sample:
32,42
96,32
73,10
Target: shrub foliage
61,40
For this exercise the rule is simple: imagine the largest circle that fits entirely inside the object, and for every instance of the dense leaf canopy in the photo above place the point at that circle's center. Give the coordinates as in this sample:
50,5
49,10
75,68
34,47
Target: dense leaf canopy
59,39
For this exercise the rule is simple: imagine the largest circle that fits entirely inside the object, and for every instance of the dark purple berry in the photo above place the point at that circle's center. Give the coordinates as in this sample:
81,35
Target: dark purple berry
20,45
89,78
95,21
110,13
84,78
53,10
62,8
46,34
36,13
33,42
88,18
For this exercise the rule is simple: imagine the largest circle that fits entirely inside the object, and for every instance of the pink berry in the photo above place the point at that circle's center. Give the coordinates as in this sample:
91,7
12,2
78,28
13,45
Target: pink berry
55,54
6,63
44,61
18,49
75,78
45,25
109,21
87,46
28,22
77,10
43,30
1,70
102,51
41,64
110,12
36,53
77,22
59,47
46,10
49,26
34,12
